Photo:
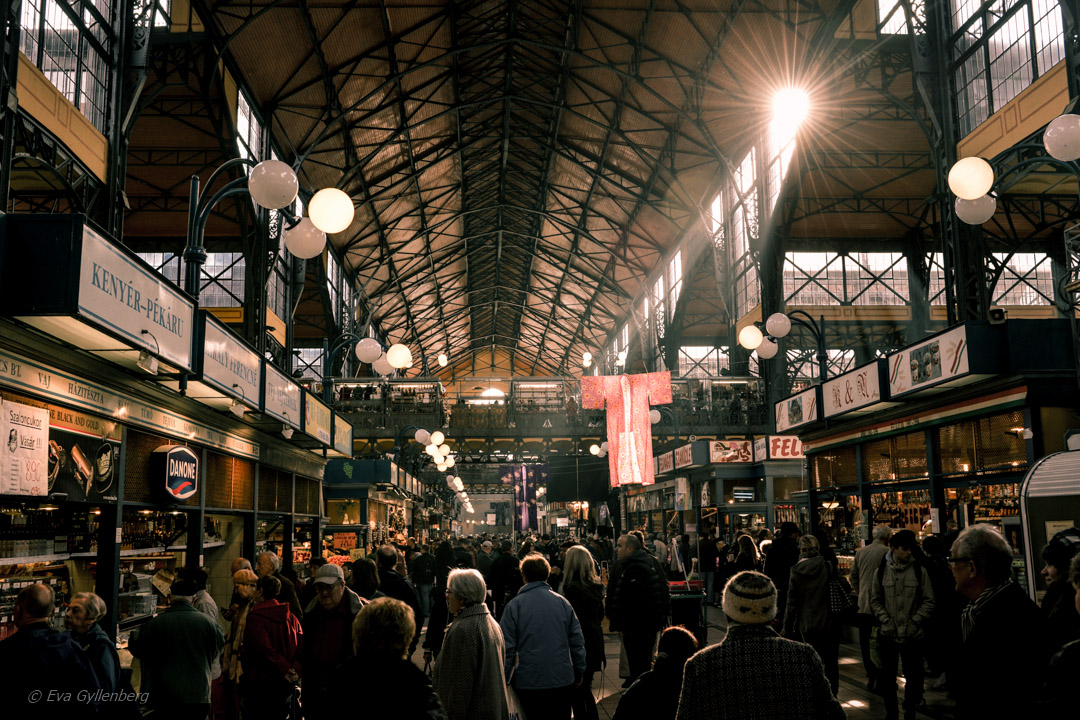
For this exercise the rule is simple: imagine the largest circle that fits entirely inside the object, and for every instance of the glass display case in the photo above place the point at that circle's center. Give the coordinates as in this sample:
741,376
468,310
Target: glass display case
903,510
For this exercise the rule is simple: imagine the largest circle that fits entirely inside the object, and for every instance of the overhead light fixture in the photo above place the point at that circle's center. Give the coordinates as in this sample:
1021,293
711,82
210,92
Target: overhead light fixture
147,362
398,355
237,408
286,432
586,359
443,360
331,210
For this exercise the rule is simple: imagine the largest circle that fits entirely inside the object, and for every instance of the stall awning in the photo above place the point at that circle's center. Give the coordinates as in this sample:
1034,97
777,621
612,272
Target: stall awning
1053,476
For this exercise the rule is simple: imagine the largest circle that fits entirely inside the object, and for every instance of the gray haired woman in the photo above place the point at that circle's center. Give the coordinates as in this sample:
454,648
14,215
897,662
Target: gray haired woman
84,611
468,673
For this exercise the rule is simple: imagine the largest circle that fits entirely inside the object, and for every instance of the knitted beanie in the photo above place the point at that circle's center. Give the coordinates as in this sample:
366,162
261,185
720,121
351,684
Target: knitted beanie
750,598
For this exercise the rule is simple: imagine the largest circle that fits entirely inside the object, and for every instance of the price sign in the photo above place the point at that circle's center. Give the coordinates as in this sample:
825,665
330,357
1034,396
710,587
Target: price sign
24,455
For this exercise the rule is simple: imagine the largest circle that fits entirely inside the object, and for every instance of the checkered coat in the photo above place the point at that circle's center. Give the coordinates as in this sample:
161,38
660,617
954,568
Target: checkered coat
754,674
468,674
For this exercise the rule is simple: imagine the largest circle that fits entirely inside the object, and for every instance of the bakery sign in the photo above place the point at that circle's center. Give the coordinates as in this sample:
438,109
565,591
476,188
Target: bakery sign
176,467
730,451
798,410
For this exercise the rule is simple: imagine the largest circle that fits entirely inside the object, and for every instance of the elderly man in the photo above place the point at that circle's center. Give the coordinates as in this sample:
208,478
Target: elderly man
269,563
41,663
753,671
638,602
327,634
545,648
1005,648
176,652
866,564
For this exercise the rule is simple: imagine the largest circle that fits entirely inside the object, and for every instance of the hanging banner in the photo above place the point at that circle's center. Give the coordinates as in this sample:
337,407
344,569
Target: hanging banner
627,399
24,457
523,478
683,499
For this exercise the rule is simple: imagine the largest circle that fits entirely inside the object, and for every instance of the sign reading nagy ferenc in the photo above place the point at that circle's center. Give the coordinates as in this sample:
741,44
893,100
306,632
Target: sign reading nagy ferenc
229,365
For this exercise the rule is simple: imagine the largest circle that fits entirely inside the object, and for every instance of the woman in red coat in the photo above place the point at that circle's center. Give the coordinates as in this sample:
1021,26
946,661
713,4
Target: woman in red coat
271,654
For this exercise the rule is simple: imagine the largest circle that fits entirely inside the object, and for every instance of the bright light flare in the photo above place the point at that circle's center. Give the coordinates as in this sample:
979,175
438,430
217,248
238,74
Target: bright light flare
791,107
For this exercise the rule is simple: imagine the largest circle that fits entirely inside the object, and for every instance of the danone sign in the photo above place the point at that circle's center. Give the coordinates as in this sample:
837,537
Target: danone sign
175,471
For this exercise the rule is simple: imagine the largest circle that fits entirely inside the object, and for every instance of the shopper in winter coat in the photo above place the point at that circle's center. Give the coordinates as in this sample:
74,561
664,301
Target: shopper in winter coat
545,650
754,673
780,557
327,626
505,577
807,617
638,603
273,642
393,686
1005,649
444,559
867,560
468,674
582,589
902,598
1058,605
655,695
1058,695
84,611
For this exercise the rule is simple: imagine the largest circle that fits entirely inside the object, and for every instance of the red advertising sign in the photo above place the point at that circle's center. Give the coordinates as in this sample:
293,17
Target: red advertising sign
684,456
785,447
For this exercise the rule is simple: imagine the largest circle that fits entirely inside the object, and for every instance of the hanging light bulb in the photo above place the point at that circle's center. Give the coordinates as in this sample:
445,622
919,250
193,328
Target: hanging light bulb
594,449
273,184
331,210
750,337
382,366
304,240
586,359
1062,137
450,461
778,325
654,416
443,360
437,438
971,178
975,212
368,350
444,449
398,355
767,349
422,436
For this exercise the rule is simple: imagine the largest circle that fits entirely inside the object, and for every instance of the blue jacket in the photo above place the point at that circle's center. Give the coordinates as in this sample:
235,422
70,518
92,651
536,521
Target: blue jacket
101,652
544,645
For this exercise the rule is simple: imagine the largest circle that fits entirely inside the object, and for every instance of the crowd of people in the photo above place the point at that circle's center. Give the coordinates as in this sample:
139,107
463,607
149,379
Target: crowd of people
519,629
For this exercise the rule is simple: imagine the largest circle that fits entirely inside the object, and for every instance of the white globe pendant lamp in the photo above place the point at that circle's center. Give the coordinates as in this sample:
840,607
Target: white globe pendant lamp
422,436
368,350
443,360
767,349
304,240
975,212
437,438
971,178
778,325
750,337
398,355
1062,137
273,184
654,416
331,210
450,461
382,367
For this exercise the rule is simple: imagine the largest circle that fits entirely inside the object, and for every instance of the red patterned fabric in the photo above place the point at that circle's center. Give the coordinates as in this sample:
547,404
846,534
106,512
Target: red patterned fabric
627,398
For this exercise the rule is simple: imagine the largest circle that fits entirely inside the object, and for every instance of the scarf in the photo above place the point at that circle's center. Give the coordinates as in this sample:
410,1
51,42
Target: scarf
967,617
233,670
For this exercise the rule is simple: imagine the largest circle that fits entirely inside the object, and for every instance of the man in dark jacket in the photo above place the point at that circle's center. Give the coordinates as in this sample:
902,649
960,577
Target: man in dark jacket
638,603
327,635
269,563
1000,621
40,663
505,577
754,672
392,584
422,573
780,557
273,643
176,651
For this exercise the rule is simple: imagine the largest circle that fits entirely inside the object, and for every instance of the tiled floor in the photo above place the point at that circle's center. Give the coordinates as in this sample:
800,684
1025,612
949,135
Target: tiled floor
859,703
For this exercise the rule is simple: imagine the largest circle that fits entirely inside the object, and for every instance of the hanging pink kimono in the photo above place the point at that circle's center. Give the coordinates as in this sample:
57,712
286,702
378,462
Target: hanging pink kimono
629,437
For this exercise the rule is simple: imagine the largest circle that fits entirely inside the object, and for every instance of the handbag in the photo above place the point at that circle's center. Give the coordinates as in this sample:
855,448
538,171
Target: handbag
841,599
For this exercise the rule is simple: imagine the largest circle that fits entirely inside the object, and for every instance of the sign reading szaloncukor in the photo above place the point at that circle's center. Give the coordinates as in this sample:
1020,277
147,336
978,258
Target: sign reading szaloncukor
797,410
281,397
929,363
24,455
665,463
731,451
684,456
133,302
317,419
229,365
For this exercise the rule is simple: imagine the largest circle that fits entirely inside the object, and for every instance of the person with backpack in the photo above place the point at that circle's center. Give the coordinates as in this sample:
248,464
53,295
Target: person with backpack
902,599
